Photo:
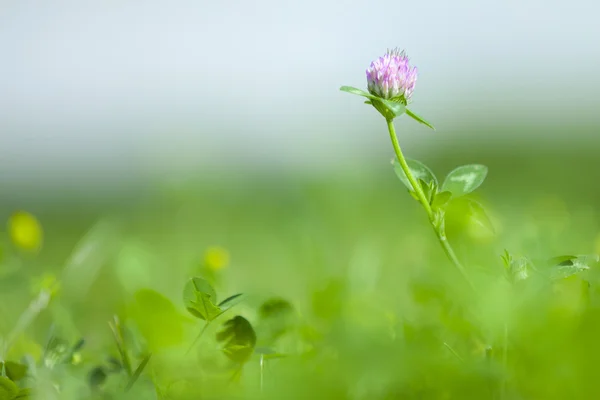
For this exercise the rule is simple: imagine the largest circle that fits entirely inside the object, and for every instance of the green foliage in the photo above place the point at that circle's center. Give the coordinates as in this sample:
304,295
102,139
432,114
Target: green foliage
389,109
59,351
457,184
464,179
14,371
200,298
230,301
8,389
275,308
517,269
277,317
239,339
477,214
418,170
24,394
97,377
407,329
563,267
554,269
441,199
138,371
157,319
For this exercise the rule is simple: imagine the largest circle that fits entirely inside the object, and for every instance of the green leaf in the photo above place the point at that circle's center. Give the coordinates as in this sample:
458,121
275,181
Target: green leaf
562,260
117,331
569,265
203,307
428,189
24,394
157,319
198,284
274,308
506,258
56,351
239,338
277,316
418,119
563,272
8,389
359,92
15,371
138,372
433,186
200,297
418,171
478,215
231,301
465,179
414,195
518,269
97,377
441,199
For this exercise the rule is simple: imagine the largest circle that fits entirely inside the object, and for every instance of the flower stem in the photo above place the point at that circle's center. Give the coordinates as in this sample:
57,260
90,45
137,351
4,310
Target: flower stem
438,228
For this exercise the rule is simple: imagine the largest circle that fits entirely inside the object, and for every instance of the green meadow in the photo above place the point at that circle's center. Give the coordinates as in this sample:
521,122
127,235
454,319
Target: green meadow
345,293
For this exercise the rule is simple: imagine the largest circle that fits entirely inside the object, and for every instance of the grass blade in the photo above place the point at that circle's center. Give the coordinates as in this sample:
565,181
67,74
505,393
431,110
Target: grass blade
138,372
115,327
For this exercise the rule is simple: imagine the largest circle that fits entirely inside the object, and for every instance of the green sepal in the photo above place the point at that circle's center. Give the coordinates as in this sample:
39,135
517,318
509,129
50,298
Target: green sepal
418,119
390,109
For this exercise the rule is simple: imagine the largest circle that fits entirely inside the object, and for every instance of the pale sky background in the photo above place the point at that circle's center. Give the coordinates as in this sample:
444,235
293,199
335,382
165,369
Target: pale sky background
117,89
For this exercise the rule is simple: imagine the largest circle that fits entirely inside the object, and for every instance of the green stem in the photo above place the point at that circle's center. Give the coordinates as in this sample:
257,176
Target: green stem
418,189
453,352
138,372
198,337
262,366
437,227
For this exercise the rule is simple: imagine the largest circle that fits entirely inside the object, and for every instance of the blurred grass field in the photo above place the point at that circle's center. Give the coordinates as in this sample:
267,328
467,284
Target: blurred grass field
379,312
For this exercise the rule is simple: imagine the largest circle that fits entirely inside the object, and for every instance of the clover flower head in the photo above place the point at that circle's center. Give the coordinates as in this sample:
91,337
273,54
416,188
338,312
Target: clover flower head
392,77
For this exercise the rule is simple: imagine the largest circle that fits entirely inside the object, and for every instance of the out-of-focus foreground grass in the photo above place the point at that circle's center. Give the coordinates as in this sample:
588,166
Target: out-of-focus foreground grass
377,311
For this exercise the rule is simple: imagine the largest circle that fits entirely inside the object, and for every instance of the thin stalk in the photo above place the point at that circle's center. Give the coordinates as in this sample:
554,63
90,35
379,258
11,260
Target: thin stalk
198,337
439,231
209,321
453,352
262,367
115,327
138,371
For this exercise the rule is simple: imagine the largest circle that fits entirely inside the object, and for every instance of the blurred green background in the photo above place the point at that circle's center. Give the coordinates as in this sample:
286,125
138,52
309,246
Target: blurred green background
354,255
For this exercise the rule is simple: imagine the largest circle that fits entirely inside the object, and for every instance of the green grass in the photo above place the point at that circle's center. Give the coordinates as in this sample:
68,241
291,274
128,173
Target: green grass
378,312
